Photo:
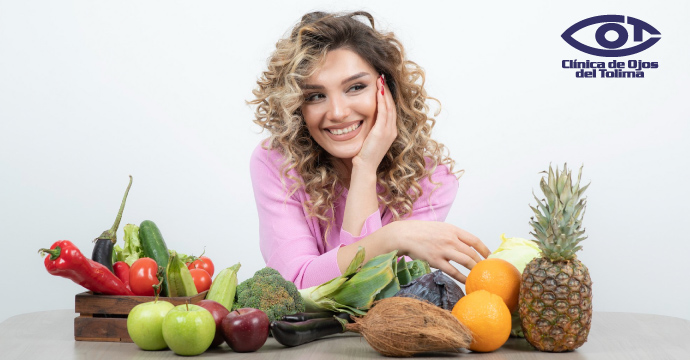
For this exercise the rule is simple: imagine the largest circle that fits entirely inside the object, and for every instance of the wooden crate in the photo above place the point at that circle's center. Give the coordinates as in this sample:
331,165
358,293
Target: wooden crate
104,317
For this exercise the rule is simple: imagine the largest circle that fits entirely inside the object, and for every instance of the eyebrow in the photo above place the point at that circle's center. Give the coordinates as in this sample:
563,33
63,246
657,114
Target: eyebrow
353,77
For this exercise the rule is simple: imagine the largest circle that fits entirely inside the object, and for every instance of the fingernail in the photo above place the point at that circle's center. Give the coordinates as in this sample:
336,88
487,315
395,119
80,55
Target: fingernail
382,90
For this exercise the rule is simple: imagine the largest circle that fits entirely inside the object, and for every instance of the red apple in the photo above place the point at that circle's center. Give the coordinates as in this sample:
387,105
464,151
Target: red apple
245,329
219,312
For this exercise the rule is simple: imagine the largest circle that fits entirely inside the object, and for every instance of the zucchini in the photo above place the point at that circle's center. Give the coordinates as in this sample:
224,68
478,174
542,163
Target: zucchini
298,333
154,247
304,316
180,281
224,287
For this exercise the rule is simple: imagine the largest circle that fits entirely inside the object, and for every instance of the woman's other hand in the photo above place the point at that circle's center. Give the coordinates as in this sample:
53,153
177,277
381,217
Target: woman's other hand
439,243
382,134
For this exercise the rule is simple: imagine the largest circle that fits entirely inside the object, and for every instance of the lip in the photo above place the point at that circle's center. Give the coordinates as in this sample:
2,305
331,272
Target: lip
344,137
344,125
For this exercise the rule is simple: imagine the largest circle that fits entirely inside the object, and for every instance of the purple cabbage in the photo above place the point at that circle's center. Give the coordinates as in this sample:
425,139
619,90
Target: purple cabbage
436,288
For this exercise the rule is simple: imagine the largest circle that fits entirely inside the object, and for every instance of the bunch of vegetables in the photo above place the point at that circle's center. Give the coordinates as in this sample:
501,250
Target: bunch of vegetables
136,269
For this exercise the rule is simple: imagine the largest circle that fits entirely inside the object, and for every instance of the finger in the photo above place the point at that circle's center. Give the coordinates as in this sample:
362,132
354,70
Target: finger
470,259
473,241
451,271
391,124
382,106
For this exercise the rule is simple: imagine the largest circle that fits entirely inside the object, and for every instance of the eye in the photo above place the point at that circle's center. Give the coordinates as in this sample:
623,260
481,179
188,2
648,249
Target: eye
612,35
313,97
357,87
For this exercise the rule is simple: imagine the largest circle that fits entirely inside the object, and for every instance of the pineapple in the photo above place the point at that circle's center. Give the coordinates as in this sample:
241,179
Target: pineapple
555,303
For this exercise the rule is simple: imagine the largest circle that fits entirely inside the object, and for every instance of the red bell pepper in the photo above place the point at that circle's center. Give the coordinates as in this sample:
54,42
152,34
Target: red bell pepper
67,261
122,272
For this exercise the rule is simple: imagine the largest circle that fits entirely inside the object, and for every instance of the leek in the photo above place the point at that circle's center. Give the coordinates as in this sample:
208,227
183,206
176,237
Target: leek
356,290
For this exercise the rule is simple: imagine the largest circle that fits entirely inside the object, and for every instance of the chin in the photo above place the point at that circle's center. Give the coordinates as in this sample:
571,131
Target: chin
345,152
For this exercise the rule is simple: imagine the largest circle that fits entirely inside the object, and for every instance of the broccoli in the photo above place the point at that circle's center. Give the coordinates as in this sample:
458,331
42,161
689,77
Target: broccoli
268,291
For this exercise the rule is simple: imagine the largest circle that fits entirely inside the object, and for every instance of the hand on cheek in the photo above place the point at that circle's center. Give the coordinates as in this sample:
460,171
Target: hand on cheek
384,129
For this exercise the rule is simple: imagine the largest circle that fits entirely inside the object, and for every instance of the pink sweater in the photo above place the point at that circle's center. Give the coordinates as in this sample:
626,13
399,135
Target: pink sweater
292,242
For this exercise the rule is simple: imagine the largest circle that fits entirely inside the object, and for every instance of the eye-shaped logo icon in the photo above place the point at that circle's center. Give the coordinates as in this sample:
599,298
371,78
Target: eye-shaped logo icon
612,47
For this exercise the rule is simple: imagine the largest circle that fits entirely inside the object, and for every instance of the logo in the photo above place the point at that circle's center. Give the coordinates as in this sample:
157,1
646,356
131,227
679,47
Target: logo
612,35
613,47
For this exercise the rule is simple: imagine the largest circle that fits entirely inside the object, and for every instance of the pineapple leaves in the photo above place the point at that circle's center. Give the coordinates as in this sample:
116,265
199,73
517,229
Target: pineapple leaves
558,218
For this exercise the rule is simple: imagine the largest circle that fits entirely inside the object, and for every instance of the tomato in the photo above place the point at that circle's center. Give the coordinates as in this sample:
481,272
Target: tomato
202,263
142,276
202,280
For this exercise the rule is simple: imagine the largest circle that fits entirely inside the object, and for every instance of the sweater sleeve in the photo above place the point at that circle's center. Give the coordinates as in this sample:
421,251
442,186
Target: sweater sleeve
437,197
289,240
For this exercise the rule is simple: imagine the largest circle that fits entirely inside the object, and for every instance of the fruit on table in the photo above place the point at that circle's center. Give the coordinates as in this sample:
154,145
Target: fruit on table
145,324
121,270
219,313
487,317
203,262
245,329
64,259
142,276
496,276
555,303
188,329
154,247
180,281
202,280
224,287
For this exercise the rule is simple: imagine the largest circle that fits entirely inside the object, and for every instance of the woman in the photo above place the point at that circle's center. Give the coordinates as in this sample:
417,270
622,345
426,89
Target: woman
349,161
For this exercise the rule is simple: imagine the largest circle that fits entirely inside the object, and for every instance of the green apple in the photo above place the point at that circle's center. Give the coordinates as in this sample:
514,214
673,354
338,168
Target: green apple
145,324
189,329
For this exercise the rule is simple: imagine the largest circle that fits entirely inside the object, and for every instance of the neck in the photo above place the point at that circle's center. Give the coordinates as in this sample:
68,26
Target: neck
344,169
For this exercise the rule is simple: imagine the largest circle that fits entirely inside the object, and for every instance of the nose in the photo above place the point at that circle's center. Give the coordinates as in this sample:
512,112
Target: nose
338,109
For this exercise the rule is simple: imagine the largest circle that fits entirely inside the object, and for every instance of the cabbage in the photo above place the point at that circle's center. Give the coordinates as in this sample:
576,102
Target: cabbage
516,251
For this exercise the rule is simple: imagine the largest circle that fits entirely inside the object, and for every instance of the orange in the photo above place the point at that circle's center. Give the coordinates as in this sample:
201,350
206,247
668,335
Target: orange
487,317
496,276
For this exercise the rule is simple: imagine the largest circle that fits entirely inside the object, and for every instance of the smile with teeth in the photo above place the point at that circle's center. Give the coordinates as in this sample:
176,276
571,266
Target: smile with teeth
345,130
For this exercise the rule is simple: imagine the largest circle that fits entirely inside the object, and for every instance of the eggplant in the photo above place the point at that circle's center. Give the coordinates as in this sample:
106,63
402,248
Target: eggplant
103,250
304,316
103,253
298,333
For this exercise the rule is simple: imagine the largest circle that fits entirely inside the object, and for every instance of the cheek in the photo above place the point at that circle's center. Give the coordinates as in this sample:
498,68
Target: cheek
368,106
311,119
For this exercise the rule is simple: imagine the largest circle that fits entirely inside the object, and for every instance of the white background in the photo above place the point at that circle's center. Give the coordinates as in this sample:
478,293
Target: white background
93,91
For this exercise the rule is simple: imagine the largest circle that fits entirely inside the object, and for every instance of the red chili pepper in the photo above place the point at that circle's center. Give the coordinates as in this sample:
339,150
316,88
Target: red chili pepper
122,272
67,261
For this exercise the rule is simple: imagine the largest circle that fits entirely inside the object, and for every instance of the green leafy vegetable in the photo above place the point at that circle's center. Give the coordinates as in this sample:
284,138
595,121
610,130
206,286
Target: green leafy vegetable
361,285
516,251
269,292
132,250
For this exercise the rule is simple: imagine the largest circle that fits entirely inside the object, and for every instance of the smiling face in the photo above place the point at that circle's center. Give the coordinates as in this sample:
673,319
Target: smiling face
340,103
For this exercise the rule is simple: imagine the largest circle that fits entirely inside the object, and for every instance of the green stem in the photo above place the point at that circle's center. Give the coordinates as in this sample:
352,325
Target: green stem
111,234
54,253
160,274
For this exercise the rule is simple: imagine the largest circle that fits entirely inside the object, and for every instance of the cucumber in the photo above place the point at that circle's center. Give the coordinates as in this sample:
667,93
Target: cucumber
154,247
180,281
224,286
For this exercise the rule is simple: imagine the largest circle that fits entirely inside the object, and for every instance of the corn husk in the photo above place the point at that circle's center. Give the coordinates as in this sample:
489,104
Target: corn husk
355,291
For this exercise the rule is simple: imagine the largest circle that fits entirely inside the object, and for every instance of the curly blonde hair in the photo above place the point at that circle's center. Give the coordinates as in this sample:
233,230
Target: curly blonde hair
279,97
